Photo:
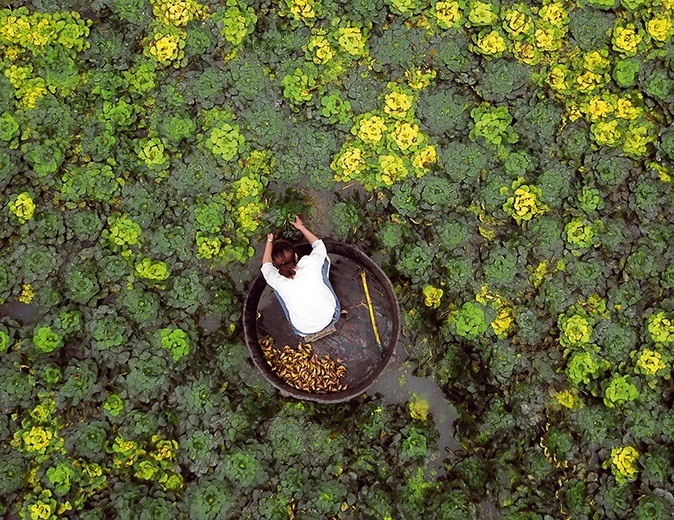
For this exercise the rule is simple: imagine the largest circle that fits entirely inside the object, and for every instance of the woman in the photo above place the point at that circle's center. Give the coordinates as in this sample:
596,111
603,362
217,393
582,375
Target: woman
301,284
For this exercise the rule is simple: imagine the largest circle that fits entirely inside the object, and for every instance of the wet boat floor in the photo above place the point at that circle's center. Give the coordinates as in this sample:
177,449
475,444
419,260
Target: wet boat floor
354,342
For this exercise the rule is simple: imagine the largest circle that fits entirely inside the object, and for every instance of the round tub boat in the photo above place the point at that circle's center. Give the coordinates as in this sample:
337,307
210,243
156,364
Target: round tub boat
353,342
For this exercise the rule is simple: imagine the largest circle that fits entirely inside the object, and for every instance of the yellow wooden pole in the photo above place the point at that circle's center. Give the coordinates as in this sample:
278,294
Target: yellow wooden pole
371,308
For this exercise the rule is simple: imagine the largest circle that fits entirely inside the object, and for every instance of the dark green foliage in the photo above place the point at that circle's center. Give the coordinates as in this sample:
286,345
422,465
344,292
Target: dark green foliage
81,283
88,440
588,276
537,122
555,183
199,40
436,193
653,508
658,85
531,329
617,341
464,161
140,305
198,172
415,261
503,79
444,112
186,291
79,383
492,194
306,151
611,170
346,220
39,262
555,294
140,204
594,423
613,500
16,387
546,236
188,427
205,88
453,57
362,90
574,140
390,48
107,329
140,425
83,224
12,469
134,11
199,451
503,362
249,76
588,27
197,400
263,124
147,377
243,468
500,267
459,272
206,499
279,47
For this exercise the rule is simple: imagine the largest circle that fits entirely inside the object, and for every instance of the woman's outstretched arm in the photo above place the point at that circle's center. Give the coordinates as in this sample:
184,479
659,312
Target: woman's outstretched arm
299,225
266,256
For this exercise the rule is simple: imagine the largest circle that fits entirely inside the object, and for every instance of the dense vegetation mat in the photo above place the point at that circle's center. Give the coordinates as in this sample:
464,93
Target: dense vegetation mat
508,164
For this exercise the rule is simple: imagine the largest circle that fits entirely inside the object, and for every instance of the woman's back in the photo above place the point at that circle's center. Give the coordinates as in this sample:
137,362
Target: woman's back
306,297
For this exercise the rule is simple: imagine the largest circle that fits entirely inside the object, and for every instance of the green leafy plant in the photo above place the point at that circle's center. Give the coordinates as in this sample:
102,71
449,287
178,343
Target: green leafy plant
146,377
575,327
46,340
199,451
155,271
176,341
5,341
207,500
622,463
114,405
515,156
469,321
584,366
619,391
493,124
79,383
661,327
243,468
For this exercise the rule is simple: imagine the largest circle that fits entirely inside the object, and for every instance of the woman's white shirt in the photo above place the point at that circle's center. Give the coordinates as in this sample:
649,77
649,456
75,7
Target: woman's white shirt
310,303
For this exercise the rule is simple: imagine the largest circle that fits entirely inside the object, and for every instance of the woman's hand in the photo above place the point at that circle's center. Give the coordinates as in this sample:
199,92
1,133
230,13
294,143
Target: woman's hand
270,237
298,224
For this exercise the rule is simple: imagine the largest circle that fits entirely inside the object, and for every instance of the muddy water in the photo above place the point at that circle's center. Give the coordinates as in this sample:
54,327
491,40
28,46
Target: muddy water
397,385
20,312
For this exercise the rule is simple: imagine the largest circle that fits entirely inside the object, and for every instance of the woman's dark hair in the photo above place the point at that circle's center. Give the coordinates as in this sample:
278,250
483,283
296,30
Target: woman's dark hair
284,257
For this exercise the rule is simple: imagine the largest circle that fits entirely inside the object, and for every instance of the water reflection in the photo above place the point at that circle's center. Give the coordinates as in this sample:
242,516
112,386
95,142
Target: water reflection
18,311
397,385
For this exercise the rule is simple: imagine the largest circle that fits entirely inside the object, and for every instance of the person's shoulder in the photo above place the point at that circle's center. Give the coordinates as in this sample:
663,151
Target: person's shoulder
318,243
268,269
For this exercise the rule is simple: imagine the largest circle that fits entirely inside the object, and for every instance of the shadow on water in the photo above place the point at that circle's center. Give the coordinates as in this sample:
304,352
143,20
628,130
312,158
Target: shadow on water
397,385
18,311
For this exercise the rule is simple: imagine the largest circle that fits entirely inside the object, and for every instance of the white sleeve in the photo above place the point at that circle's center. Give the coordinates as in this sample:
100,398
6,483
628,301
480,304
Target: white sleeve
270,273
318,250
